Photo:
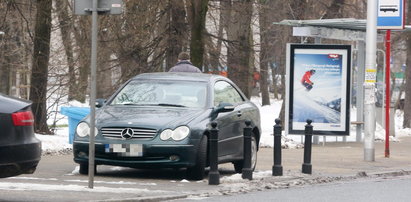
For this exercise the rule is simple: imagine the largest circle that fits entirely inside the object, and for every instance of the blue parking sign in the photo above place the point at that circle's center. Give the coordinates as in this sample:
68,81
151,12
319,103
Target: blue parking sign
390,14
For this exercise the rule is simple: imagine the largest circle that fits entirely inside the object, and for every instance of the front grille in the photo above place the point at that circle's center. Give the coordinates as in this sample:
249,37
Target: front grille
139,133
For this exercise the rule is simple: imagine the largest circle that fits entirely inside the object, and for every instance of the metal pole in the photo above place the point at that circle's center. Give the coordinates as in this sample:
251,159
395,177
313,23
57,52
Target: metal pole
94,29
360,89
316,139
383,89
369,98
387,93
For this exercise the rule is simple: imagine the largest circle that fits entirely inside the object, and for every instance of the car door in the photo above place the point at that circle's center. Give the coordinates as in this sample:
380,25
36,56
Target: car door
230,124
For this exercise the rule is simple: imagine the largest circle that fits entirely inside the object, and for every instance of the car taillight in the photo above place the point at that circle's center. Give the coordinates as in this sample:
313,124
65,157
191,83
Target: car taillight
25,118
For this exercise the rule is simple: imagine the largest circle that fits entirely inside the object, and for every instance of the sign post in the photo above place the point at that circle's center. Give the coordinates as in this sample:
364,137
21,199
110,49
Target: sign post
94,8
390,16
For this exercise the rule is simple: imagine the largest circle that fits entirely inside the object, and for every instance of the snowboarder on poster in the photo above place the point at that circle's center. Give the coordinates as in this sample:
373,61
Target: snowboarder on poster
307,83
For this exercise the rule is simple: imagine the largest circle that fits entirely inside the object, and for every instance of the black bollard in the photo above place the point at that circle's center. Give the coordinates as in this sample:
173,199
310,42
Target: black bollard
213,175
307,167
277,167
247,172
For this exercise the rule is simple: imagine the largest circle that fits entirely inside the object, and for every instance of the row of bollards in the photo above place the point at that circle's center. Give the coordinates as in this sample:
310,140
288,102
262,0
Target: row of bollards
247,171
308,133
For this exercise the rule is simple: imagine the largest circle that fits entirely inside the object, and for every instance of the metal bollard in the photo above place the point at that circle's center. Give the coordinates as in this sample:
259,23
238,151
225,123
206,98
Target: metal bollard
213,175
307,167
247,172
277,167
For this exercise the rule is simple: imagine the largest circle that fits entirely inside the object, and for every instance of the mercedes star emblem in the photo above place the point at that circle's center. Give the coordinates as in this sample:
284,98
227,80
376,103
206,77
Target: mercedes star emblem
127,133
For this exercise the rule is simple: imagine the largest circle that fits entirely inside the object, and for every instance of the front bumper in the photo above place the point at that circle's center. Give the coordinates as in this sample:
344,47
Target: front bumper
154,155
19,159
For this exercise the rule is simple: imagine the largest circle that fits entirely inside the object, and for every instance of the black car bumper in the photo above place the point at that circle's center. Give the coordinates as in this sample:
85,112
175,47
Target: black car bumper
160,156
19,159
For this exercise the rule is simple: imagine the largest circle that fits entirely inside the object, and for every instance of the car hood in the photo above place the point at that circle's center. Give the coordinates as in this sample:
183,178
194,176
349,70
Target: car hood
153,117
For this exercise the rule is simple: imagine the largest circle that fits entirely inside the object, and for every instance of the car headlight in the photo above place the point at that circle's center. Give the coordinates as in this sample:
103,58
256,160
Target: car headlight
83,129
180,133
166,134
176,134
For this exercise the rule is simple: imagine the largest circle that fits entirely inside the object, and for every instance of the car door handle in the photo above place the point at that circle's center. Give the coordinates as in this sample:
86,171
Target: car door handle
239,113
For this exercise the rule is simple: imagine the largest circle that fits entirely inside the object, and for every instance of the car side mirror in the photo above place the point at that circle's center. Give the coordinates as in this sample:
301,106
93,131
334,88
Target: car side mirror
222,107
100,102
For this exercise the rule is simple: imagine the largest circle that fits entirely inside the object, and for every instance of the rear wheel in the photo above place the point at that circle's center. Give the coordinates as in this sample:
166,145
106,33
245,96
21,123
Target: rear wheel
239,165
197,171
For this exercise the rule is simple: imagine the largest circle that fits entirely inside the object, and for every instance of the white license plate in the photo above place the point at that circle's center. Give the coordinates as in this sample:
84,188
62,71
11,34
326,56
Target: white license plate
125,149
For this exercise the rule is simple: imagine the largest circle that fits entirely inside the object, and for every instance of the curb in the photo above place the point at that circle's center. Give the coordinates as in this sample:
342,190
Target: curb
266,183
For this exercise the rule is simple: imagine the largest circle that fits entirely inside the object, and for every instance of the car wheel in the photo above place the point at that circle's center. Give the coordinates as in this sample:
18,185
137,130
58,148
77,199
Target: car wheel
197,171
238,165
84,169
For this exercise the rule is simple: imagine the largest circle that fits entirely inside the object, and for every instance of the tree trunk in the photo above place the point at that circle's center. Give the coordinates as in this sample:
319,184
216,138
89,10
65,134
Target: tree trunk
65,24
41,53
265,23
104,88
297,12
238,58
407,101
82,36
199,13
177,31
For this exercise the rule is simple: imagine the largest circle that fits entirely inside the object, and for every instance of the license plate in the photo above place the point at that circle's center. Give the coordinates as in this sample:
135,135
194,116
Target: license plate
125,149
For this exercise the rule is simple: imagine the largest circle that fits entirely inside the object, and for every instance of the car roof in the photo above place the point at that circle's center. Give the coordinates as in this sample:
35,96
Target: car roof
179,76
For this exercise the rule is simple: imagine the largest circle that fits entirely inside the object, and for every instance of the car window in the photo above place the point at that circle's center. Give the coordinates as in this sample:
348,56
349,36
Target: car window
162,93
225,92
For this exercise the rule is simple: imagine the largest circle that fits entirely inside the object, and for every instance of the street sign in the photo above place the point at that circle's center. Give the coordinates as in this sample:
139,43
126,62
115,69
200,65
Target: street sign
104,7
390,14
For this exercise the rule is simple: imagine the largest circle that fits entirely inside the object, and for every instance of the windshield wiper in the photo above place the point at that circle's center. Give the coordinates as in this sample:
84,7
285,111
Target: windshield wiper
171,105
129,103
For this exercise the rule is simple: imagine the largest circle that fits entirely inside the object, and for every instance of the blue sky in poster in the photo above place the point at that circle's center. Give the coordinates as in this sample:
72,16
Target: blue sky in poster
322,102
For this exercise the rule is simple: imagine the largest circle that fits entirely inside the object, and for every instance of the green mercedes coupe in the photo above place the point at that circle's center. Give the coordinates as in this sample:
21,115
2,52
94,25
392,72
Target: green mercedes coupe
162,120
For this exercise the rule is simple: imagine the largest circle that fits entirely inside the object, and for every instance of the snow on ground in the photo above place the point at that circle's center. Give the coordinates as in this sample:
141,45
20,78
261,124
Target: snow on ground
71,187
58,143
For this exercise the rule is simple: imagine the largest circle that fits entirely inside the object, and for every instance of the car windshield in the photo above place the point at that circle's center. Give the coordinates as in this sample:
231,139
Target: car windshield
162,93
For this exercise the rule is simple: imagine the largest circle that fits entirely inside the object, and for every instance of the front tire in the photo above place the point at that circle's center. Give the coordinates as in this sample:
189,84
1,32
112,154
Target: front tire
239,165
197,172
84,169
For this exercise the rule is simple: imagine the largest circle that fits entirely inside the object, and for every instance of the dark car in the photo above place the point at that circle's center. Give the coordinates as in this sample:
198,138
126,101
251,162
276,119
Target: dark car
161,120
20,151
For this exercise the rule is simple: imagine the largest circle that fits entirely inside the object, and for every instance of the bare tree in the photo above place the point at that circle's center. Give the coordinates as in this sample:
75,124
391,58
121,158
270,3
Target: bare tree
16,47
198,16
407,101
66,28
334,10
41,53
177,31
239,48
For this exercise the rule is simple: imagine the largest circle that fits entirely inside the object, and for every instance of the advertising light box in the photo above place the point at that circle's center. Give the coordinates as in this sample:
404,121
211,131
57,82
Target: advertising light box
318,88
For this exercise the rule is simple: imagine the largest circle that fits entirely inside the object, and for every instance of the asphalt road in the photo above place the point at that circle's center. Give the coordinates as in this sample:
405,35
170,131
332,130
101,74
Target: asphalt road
364,190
